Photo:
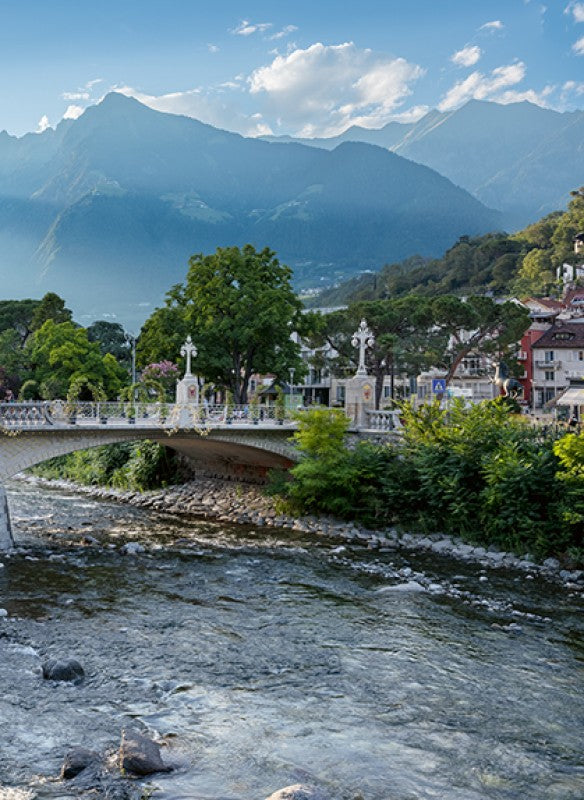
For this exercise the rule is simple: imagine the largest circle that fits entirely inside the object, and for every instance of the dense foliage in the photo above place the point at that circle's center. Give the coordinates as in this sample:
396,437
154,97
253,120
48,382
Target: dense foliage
130,465
240,309
481,473
43,353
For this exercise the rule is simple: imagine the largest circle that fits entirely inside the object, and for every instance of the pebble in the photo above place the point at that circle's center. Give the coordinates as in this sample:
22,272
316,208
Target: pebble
231,502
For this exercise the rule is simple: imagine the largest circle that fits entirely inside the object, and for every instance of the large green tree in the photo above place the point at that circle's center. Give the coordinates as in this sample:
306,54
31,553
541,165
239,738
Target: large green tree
239,307
61,353
111,338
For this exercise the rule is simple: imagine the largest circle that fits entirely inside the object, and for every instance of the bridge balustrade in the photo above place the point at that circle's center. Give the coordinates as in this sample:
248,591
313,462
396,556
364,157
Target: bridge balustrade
383,421
57,413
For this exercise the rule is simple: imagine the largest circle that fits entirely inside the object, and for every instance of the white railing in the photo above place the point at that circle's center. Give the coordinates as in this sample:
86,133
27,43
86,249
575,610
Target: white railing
383,421
59,414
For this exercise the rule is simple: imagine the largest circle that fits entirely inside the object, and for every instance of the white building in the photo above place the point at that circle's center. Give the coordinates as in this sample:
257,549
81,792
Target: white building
558,358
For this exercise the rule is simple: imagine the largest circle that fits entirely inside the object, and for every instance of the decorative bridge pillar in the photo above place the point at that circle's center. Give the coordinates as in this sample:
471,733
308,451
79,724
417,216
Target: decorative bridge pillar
360,390
187,389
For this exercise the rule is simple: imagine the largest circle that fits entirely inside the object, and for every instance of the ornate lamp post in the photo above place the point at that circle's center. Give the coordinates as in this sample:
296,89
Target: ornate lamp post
362,338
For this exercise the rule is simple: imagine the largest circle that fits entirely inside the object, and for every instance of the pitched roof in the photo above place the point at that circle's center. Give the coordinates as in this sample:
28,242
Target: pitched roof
575,297
543,302
563,335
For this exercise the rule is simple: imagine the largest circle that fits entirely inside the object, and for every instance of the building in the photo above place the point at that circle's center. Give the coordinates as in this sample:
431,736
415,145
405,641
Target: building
558,359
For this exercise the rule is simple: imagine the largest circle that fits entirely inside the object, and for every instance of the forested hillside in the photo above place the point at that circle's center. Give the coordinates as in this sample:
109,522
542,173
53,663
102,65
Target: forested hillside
522,264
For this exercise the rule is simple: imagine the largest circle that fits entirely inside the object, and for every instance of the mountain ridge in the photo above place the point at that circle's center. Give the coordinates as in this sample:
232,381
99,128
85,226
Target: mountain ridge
125,194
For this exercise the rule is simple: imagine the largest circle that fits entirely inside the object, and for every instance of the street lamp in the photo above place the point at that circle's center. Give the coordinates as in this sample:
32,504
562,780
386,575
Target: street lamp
291,370
131,339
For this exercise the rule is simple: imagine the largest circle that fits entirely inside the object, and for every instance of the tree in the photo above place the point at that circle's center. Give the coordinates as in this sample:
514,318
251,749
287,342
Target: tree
16,316
164,331
111,338
242,311
50,307
536,275
569,224
400,328
61,353
476,324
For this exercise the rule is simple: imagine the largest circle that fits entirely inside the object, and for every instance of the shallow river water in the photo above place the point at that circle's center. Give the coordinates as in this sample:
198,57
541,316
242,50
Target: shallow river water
263,658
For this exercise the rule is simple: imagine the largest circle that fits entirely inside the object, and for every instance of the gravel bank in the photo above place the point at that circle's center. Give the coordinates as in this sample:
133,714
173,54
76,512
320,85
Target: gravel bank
246,504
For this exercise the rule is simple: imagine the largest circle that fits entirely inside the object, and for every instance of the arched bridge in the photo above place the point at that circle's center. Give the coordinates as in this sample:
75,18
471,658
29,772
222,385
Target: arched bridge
35,432
238,440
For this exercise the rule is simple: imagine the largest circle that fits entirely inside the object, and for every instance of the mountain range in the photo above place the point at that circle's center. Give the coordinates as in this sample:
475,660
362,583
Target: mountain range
107,209
519,158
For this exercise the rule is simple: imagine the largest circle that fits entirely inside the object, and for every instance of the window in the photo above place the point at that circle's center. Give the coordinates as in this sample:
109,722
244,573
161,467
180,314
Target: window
387,391
548,356
340,394
580,355
549,374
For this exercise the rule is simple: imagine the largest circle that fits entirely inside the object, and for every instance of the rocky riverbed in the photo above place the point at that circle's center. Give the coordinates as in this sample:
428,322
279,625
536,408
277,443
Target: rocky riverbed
258,656
245,504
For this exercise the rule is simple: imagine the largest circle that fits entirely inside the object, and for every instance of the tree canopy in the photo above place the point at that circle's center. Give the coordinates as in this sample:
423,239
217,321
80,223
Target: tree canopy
239,307
60,354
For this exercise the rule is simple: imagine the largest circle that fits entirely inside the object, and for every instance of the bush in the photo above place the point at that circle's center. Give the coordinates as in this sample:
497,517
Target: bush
482,473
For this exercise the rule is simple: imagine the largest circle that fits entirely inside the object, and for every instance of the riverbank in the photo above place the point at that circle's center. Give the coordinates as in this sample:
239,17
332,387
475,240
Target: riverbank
245,504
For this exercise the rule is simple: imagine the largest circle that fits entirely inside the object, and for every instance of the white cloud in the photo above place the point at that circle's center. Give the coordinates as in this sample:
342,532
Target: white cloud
75,95
495,25
482,87
325,88
573,86
578,47
538,98
284,32
577,11
413,114
94,82
212,48
466,57
73,112
246,28
43,124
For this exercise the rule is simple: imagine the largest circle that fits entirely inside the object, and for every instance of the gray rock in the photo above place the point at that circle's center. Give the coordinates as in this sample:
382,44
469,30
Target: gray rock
551,563
67,670
298,791
140,755
131,548
76,761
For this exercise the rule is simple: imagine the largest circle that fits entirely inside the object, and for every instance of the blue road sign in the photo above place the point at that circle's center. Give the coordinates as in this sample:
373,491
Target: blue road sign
438,385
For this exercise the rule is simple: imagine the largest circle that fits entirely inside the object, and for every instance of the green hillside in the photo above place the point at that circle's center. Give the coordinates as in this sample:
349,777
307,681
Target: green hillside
522,264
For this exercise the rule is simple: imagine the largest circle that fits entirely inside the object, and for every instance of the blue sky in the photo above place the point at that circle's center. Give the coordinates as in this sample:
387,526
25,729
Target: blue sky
302,68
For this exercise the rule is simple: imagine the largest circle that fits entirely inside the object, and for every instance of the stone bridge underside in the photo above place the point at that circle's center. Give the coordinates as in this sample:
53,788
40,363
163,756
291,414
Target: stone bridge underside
236,452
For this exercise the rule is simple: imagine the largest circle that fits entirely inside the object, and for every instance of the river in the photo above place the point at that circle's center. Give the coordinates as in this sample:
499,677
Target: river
264,658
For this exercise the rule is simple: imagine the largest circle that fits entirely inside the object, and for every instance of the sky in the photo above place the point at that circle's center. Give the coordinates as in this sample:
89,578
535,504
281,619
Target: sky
303,68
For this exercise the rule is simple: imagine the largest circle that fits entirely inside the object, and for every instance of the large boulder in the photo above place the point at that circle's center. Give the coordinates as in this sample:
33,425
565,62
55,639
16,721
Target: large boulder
140,755
298,791
67,670
76,761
